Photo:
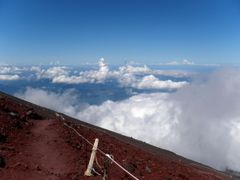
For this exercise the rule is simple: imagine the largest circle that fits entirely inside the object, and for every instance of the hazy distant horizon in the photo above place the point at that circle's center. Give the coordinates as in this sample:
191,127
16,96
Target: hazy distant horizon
133,63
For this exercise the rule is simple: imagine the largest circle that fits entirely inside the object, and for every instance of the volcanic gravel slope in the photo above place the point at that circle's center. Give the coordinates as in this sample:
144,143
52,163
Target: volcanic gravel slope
36,144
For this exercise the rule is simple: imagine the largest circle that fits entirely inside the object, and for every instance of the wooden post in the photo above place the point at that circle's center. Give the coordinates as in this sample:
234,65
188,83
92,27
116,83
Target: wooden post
93,154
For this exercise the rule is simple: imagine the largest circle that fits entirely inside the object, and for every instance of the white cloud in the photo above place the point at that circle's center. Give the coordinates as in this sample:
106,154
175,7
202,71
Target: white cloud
5,69
91,76
127,80
135,69
52,72
187,62
64,102
200,121
36,69
72,79
54,63
103,67
139,116
151,82
7,77
183,62
126,76
140,77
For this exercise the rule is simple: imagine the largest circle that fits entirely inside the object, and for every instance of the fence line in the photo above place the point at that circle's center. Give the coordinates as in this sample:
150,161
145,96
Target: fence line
102,152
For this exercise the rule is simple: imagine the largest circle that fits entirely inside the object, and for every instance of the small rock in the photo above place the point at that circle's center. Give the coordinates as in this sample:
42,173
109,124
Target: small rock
57,115
33,115
18,125
131,167
3,138
17,164
182,176
29,112
148,169
28,132
38,168
2,162
13,114
36,116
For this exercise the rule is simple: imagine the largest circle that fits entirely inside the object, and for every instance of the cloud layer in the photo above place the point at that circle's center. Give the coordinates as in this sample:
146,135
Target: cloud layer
200,121
138,77
7,77
62,102
8,73
149,82
127,76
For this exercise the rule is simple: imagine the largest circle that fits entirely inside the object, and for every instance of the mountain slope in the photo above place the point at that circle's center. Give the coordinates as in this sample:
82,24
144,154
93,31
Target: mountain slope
35,143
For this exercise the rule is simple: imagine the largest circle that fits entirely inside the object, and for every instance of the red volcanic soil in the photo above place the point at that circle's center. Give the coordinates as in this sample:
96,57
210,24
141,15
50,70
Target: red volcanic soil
35,144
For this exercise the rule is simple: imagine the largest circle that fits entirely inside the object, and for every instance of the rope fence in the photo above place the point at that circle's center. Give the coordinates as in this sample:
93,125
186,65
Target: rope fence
102,152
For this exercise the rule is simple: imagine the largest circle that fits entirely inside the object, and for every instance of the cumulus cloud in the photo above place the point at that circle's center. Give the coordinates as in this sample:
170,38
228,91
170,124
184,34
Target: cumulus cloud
11,72
36,69
7,77
8,73
64,102
145,70
50,72
200,121
129,76
60,75
188,62
135,69
183,62
5,69
150,82
153,83
147,117
125,75
5,73
71,79
71,75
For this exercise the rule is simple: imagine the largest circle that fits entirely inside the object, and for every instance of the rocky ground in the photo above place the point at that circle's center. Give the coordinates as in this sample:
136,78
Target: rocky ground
35,143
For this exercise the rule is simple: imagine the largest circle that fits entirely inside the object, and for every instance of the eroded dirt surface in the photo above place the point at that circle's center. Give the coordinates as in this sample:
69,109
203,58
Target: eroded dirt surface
35,144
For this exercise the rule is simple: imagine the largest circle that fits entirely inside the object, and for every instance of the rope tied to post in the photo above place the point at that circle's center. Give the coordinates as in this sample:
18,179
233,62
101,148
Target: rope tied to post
102,152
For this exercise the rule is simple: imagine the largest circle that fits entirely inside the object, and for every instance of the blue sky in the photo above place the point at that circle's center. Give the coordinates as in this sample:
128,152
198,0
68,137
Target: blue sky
149,32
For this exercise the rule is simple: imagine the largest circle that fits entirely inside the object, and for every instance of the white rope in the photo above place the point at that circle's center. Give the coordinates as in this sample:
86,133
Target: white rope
78,133
107,155
121,166
96,172
96,160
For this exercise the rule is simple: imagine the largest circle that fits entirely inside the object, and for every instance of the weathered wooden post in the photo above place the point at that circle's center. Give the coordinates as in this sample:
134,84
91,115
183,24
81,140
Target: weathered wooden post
92,158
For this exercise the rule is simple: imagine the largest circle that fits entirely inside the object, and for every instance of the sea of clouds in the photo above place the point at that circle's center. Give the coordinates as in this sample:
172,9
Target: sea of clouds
6,73
126,76
201,120
141,77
